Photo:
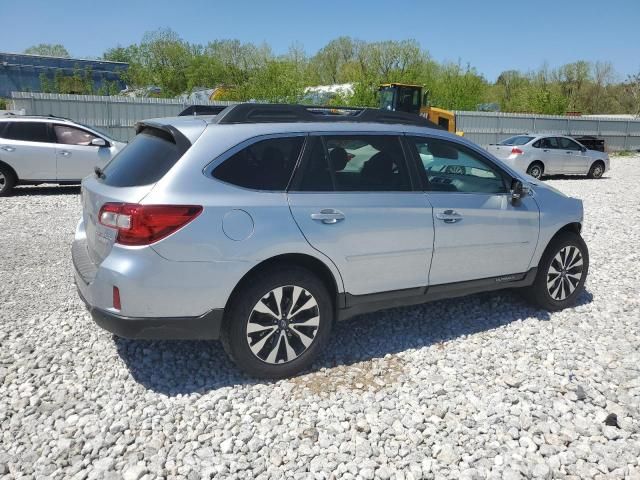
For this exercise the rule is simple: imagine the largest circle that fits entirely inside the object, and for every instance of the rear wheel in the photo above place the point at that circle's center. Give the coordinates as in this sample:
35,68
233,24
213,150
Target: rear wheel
596,170
277,325
7,181
536,169
562,272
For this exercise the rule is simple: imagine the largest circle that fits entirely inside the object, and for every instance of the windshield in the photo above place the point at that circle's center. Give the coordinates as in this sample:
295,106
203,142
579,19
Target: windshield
517,140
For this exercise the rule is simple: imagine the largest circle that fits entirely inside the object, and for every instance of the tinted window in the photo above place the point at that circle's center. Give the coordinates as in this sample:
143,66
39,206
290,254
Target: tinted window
145,160
27,131
548,142
517,140
72,135
316,175
264,165
451,167
367,163
568,144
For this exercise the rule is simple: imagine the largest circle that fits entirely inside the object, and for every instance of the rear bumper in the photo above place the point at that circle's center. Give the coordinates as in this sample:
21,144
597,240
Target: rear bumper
204,327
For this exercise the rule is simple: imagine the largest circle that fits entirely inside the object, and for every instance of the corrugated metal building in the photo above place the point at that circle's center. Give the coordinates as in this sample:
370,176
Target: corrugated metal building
21,72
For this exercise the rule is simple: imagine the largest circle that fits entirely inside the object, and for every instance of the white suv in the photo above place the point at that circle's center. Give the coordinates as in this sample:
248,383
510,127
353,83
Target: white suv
37,150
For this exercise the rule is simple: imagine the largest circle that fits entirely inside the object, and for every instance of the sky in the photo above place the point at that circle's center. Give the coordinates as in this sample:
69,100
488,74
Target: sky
490,35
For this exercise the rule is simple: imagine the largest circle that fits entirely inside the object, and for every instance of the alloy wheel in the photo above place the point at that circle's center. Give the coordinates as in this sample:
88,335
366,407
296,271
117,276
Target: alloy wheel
3,181
283,324
565,272
535,172
597,171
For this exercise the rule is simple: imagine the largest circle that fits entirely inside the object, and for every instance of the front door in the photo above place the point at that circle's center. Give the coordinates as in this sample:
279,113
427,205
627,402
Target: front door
479,233
354,201
549,154
75,156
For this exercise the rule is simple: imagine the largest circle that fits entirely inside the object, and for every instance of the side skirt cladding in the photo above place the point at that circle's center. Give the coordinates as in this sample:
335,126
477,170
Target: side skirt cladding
360,304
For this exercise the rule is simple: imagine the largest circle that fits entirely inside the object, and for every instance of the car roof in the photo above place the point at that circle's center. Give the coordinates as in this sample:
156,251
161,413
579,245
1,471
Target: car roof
36,118
258,129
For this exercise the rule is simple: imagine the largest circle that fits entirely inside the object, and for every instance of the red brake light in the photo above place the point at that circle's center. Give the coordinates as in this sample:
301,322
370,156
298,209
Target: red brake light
145,224
516,151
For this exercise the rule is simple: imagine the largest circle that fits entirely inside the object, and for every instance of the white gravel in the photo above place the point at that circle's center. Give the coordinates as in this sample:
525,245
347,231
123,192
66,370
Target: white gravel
484,386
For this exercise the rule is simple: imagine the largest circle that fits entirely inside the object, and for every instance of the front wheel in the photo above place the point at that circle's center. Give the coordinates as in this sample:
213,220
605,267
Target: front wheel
279,323
596,170
562,272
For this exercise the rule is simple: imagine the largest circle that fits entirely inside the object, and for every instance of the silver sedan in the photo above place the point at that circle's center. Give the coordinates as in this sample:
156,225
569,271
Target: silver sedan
540,155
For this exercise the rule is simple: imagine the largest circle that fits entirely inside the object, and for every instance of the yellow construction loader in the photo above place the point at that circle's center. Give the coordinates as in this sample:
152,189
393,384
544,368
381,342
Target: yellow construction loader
409,98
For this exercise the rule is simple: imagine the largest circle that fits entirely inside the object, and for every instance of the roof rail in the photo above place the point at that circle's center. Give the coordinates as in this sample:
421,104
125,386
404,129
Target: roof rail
285,113
194,110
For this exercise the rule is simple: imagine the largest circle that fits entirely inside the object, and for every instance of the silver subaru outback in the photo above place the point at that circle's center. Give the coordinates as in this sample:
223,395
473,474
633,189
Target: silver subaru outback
265,224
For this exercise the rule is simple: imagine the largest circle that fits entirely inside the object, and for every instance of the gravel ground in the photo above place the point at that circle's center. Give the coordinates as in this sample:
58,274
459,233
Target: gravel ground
484,386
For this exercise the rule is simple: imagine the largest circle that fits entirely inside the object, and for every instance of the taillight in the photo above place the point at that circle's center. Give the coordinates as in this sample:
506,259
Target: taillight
145,224
516,151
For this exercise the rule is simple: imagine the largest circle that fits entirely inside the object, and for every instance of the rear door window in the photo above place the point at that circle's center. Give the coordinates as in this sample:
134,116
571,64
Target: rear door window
28,132
264,165
358,163
517,140
568,144
145,160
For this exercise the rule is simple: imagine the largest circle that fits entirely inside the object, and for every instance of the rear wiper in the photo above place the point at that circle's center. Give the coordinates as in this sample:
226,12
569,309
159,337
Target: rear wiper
99,173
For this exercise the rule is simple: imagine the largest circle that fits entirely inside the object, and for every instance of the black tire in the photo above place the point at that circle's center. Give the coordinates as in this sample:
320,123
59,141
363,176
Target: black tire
536,170
596,170
7,180
553,297
259,292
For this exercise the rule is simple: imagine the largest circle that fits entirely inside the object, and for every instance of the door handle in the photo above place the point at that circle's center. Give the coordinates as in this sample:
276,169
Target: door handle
65,153
7,148
328,216
545,150
449,216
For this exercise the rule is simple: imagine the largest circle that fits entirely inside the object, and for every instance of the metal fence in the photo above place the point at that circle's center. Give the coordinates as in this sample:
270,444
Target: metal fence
114,115
117,116
491,127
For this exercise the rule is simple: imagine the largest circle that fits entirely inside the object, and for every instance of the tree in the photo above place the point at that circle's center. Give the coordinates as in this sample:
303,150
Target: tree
48,50
632,87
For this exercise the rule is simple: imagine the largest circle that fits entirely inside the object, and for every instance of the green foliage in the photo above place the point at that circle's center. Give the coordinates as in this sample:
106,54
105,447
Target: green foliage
80,82
3,104
249,71
48,50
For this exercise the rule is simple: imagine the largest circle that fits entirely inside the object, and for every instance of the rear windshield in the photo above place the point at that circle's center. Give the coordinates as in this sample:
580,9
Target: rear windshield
145,160
517,140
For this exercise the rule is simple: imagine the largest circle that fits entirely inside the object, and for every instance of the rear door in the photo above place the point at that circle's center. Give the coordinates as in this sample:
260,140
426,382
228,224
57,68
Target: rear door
574,160
354,201
479,233
75,156
551,155
28,147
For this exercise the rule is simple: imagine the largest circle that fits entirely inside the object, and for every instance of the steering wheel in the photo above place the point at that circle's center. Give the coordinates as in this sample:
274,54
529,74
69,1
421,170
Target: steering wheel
455,170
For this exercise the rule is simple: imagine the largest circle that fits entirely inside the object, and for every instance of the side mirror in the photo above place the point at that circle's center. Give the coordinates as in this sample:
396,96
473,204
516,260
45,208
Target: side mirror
584,149
517,191
99,142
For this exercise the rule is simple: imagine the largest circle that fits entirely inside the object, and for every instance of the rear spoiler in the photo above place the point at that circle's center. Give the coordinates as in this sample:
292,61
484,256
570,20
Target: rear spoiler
195,110
166,132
